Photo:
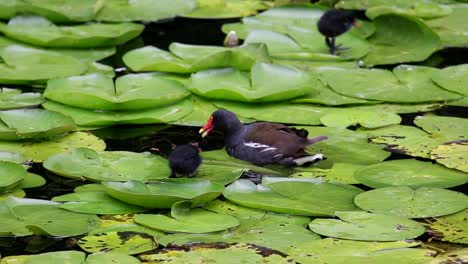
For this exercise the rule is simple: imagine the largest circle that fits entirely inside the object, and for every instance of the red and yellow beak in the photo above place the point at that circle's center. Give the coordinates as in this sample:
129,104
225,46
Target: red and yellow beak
207,128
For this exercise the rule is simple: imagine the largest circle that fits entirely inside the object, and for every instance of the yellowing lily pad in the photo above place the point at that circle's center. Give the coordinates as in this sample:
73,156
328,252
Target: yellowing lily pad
452,155
452,227
123,242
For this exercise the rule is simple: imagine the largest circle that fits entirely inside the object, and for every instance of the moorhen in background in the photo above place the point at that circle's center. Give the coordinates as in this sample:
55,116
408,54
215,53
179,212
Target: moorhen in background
334,23
263,142
184,160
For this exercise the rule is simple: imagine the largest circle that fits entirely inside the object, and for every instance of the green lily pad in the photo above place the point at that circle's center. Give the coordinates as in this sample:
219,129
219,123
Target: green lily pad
19,193
165,193
330,250
307,199
111,257
452,227
13,98
201,108
404,201
454,256
123,242
368,227
452,155
219,173
89,118
41,32
216,253
453,78
84,163
340,173
419,9
410,173
39,151
401,108
268,83
143,10
95,203
276,231
453,128
33,123
64,257
369,119
24,64
407,84
32,180
226,8
400,38
12,157
11,175
123,223
41,217
450,28
131,92
188,220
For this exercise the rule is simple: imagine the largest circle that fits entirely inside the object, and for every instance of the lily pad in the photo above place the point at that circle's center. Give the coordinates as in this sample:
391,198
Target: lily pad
143,10
123,223
267,83
209,9
201,108
123,242
12,157
400,38
131,92
453,78
369,119
307,199
368,227
450,28
19,193
13,98
64,257
32,180
419,9
188,220
404,201
407,84
452,155
165,193
216,253
111,257
340,173
453,128
11,176
454,256
452,227
41,32
85,163
410,173
95,203
39,151
41,217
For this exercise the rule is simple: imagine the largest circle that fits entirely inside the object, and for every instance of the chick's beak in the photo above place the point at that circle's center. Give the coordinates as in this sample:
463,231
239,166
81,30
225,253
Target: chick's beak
356,24
207,128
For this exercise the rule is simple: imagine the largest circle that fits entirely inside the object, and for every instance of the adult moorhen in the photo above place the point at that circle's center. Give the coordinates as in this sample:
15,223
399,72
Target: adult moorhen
334,23
263,142
184,160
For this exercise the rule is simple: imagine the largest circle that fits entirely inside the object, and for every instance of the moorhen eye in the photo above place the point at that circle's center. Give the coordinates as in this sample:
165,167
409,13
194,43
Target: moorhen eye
334,23
263,143
184,160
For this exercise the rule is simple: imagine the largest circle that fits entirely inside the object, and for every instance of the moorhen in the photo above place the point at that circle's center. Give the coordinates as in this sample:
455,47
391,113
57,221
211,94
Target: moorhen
334,23
184,160
263,142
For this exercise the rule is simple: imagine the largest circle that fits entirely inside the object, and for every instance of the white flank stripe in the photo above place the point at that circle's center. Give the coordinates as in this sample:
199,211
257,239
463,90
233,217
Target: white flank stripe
269,149
255,145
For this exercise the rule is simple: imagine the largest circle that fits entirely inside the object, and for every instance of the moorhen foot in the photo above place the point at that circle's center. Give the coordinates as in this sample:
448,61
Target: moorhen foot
334,23
263,142
184,160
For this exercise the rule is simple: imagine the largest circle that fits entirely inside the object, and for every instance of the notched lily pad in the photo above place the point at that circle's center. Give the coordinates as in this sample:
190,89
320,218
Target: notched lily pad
122,242
453,78
453,128
452,155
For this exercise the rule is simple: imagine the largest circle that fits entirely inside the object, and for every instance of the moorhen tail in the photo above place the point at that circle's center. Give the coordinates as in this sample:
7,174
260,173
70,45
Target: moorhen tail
334,23
263,142
184,160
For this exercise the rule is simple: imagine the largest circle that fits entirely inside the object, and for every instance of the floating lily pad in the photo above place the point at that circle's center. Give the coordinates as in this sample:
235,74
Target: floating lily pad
19,193
165,193
400,38
339,173
39,151
64,257
11,176
22,217
404,201
418,8
219,173
410,173
276,231
84,163
32,180
201,108
369,119
144,10
330,250
111,257
450,28
123,223
13,98
196,220
452,128
454,256
24,64
452,155
307,199
41,32
267,83
368,227
226,8
131,92
452,227
95,203
12,157
405,85
123,242
453,78
89,118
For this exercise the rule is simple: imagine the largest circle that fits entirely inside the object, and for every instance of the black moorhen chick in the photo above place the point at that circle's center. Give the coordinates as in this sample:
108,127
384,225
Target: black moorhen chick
334,23
184,160
263,142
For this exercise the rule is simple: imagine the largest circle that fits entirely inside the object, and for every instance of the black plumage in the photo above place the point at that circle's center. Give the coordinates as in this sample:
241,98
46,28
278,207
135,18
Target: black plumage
184,160
334,23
